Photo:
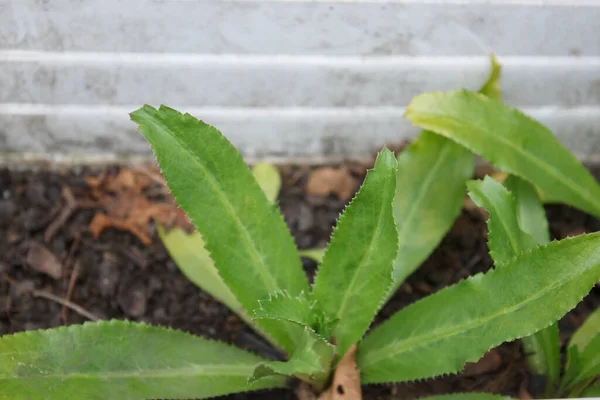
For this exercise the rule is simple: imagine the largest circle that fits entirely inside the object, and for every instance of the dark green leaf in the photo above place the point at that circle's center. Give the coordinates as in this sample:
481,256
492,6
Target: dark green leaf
244,234
356,272
505,237
121,360
460,323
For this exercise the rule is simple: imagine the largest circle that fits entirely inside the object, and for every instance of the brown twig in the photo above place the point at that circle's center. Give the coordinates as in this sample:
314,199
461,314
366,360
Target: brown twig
67,263
67,211
63,313
49,296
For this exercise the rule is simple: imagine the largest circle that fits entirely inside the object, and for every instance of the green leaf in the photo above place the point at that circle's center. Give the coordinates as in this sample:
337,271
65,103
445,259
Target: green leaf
356,272
592,391
314,254
588,362
431,177
267,177
430,184
467,396
543,353
584,351
491,88
543,347
299,310
311,361
460,323
505,237
588,331
509,140
245,236
531,213
121,360
188,252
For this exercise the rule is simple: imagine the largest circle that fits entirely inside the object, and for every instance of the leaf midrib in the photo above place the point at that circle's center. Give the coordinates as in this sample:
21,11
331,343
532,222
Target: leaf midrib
540,163
366,256
393,349
266,278
199,371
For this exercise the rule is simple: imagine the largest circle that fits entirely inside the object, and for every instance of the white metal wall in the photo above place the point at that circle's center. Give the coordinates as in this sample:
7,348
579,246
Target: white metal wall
285,77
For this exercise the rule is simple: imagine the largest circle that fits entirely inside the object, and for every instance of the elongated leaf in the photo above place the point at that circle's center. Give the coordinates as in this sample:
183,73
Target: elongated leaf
268,179
245,236
531,213
121,360
188,252
583,351
505,237
543,353
430,189
588,362
588,331
460,323
468,396
431,176
310,362
511,141
543,347
356,272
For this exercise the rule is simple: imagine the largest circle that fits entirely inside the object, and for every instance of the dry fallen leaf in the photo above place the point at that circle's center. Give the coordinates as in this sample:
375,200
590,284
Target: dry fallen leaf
326,180
43,260
346,380
128,209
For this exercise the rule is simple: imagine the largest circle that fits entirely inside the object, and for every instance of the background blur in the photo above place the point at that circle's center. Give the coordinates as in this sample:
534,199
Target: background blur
284,78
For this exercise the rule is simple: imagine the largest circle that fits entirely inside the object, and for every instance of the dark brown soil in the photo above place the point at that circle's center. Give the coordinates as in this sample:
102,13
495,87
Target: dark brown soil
117,276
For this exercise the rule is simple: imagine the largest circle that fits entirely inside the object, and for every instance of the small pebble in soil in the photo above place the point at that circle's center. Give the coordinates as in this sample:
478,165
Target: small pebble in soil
133,299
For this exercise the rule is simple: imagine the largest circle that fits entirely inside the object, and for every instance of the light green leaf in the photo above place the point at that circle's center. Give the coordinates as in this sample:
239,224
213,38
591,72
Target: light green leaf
311,361
299,310
531,213
543,353
584,351
505,237
245,236
509,140
543,347
188,252
121,360
491,88
588,331
588,362
467,396
430,189
460,323
356,272
267,177
314,254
